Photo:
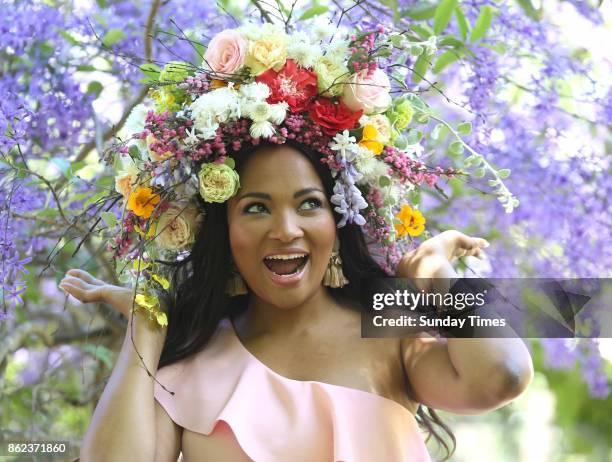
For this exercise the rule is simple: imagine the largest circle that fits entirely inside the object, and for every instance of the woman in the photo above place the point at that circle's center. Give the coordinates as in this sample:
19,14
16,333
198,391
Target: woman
281,373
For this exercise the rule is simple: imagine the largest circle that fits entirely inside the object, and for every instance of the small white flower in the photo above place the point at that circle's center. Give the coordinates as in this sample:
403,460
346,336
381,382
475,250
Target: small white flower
258,111
192,138
342,141
263,129
256,91
278,112
304,53
415,150
322,28
337,50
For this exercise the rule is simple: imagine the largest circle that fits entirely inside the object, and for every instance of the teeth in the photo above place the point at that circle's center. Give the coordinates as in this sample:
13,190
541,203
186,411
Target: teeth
286,257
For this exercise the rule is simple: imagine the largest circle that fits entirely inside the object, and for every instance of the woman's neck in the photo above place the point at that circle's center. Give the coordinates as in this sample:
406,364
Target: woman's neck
263,318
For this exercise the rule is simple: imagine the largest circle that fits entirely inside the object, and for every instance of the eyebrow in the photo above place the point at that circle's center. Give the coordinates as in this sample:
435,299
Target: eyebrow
266,196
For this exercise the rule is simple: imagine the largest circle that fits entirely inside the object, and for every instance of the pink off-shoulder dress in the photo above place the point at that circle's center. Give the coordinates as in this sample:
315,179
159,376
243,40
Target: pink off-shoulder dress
245,411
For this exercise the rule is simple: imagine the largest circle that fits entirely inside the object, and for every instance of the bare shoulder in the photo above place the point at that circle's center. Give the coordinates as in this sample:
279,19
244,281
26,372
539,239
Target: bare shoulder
378,360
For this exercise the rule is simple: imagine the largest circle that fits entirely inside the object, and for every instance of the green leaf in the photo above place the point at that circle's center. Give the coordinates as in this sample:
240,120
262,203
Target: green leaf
113,36
231,163
456,147
464,128
314,11
482,23
435,133
462,22
504,173
530,10
479,172
134,152
421,12
100,352
71,40
94,88
420,68
86,68
384,181
445,59
449,40
109,218
422,30
443,13
414,136
151,72
102,3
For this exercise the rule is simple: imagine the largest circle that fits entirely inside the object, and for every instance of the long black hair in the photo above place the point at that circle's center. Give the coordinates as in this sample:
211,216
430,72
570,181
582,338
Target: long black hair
198,301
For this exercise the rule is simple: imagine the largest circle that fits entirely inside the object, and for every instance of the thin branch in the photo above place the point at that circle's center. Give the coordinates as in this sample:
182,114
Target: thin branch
264,14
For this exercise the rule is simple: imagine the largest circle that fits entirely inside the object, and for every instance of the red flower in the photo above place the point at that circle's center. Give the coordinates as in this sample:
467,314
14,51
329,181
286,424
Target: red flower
293,84
333,116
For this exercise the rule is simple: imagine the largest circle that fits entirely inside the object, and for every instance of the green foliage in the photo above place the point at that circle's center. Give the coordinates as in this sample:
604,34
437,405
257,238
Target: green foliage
112,37
443,14
483,22
314,11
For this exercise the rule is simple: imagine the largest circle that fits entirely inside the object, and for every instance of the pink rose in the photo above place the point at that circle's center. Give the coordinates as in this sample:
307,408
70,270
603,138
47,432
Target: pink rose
367,93
226,52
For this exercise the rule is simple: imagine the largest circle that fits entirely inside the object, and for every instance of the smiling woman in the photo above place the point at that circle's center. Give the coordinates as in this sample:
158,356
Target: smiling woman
282,232
258,354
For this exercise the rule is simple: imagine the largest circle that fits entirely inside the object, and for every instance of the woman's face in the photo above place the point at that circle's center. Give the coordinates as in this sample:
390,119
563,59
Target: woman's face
281,226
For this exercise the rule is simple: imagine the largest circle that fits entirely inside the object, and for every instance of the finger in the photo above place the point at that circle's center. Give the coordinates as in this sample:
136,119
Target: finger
82,290
77,292
77,282
84,275
482,243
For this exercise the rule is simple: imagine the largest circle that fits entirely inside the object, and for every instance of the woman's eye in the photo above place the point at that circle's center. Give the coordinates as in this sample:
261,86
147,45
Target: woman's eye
312,204
255,208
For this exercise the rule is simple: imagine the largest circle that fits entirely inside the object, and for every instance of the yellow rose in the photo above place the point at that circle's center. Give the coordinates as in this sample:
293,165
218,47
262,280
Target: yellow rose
266,53
218,182
178,226
330,76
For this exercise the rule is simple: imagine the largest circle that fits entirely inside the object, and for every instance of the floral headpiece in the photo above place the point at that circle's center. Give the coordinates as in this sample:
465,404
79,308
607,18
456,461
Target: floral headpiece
259,84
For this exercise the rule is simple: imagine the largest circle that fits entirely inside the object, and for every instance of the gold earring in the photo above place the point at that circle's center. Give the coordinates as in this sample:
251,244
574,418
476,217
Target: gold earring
334,277
235,284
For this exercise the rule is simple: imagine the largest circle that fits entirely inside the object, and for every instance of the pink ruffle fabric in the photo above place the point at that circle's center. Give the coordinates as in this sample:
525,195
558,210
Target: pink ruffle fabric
275,418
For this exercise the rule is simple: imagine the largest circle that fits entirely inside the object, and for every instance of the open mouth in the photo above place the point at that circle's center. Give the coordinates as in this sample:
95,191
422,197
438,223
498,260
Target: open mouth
285,265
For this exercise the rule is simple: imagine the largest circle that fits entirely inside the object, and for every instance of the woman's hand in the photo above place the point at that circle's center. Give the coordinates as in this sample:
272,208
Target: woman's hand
427,259
453,244
88,289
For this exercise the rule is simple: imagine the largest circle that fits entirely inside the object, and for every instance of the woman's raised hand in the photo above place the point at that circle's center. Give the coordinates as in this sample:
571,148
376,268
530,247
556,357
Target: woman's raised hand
454,244
426,260
88,289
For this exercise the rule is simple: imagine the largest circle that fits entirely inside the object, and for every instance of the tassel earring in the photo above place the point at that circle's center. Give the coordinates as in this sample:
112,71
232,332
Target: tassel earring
235,283
334,277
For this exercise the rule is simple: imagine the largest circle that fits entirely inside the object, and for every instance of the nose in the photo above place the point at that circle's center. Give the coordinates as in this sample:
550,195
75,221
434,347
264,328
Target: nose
286,227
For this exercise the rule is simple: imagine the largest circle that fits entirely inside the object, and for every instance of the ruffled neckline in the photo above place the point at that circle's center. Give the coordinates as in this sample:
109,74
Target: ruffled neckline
252,357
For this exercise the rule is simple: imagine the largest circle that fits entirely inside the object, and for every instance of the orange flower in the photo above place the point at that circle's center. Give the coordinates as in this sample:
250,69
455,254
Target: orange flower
142,202
369,139
412,222
217,83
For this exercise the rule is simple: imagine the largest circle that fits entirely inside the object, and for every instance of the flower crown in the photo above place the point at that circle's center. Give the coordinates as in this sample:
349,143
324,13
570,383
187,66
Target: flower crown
258,84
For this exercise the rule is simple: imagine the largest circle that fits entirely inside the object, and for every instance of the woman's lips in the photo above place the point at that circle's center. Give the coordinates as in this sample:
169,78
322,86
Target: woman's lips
287,279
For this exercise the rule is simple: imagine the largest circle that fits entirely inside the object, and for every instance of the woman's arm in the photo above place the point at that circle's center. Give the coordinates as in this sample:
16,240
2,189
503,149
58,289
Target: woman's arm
461,375
127,423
